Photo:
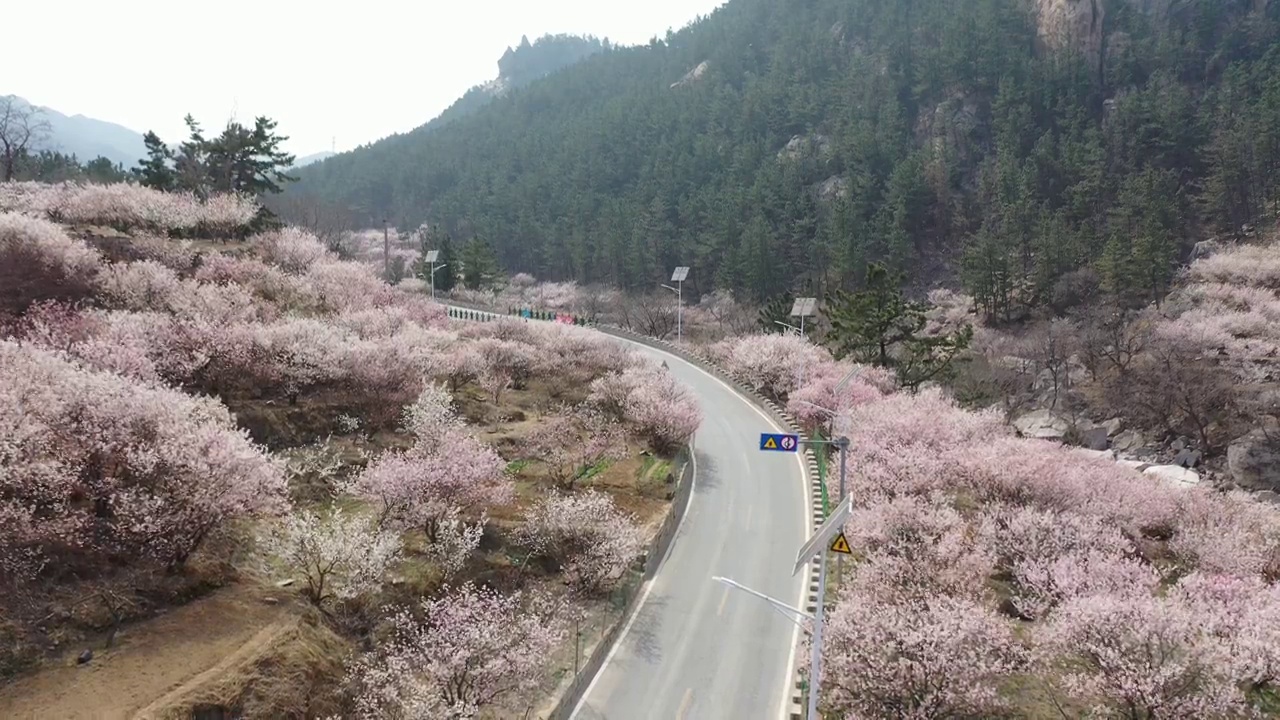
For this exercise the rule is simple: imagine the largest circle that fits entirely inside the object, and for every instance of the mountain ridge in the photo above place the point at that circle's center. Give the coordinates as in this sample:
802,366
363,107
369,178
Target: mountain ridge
88,137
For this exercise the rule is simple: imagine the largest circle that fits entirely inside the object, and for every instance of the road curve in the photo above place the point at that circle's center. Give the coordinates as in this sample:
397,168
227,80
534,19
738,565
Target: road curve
695,648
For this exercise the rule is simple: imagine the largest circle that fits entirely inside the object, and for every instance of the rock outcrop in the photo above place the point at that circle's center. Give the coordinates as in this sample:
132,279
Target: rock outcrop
1075,25
1254,461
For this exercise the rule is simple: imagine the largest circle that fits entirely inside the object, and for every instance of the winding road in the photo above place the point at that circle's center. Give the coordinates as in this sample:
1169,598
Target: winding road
695,648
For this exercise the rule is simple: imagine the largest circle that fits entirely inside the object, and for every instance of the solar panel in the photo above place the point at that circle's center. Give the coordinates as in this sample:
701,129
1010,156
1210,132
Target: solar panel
803,307
433,255
680,274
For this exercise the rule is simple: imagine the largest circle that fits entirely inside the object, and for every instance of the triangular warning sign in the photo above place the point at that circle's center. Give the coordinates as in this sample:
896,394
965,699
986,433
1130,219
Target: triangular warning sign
841,545
770,444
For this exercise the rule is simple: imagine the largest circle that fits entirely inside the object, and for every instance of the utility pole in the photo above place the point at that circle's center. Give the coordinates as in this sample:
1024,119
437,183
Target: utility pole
386,252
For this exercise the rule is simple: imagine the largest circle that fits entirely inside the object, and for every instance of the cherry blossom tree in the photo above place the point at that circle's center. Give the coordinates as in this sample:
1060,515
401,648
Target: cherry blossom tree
457,654
98,466
291,249
1136,658
126,206
420,488
574,440
1054,556
591,540
945,657
38,261
340,556
649,398
773,364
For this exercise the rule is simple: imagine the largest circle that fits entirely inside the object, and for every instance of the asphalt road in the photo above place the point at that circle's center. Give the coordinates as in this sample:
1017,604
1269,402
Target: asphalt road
695,648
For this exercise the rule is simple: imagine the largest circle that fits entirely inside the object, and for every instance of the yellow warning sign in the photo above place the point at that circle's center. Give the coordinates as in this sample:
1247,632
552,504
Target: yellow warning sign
770,444
841,545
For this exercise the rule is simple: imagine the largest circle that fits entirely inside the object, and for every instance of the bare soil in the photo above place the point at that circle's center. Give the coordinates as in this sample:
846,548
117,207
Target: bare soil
156,662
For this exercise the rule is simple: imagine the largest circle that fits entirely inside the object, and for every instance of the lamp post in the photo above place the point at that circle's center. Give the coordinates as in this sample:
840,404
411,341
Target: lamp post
678,277
432,256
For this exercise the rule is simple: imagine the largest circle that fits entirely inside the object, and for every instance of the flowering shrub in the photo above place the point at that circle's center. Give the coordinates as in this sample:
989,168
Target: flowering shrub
457,654
126,206
445,472
945,657
291,249
39,262
955,512
574,440
340,556
97,466
649,398
775,365
586,535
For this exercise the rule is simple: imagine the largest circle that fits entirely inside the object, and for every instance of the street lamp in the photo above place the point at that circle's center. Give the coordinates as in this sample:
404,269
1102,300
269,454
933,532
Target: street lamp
432,256
790,326
678,277
802,308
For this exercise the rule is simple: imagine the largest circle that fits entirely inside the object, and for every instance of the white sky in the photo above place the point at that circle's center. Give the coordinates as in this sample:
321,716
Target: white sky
354,71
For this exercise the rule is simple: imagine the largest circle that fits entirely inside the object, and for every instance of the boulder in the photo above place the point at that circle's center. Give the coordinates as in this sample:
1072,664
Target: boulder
1138,465
1173,474
1043,425
1254,461
1187,458
1204,249
1097,454
1113,426
1128,440
1094,437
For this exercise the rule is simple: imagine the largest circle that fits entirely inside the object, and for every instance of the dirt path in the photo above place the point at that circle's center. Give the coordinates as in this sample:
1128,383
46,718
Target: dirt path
154,662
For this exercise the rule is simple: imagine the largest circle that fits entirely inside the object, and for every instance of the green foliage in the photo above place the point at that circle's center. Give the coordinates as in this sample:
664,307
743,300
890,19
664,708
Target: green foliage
879,325
823,136
241,159
479,264
434,238
154,170
55,167
776,310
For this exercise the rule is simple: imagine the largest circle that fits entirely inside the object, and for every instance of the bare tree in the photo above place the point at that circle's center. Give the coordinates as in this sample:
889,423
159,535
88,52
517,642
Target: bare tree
22,127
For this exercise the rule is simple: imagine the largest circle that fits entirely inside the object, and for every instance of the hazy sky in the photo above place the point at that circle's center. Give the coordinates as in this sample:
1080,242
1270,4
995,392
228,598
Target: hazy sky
354,70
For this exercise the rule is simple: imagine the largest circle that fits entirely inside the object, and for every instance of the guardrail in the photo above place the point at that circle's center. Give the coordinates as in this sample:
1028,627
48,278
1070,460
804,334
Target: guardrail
782,418
653,558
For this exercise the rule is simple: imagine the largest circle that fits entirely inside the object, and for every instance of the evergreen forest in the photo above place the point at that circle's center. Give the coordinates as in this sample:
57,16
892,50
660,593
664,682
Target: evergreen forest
1028,150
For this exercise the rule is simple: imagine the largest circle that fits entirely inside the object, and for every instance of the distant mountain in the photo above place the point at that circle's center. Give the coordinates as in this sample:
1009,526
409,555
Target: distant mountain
88,138
1026,148
306,160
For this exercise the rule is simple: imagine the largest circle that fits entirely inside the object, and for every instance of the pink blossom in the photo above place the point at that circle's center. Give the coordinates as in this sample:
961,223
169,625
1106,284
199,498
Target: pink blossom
154,471
651,399
340,556
586,534
458,653
773,364
39,262
574,440
291,249
945,657
1136,657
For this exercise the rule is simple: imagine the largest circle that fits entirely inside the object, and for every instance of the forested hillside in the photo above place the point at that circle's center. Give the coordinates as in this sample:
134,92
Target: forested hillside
783,145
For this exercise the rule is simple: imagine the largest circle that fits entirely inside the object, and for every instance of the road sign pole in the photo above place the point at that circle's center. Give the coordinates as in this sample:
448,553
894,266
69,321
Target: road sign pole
679,310
843,444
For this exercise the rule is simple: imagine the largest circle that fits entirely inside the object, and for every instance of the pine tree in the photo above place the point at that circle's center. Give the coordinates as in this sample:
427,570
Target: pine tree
879,325
154,170
479,264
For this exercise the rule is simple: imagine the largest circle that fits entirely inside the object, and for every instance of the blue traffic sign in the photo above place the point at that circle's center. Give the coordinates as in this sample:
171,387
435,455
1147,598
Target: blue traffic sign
779,443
